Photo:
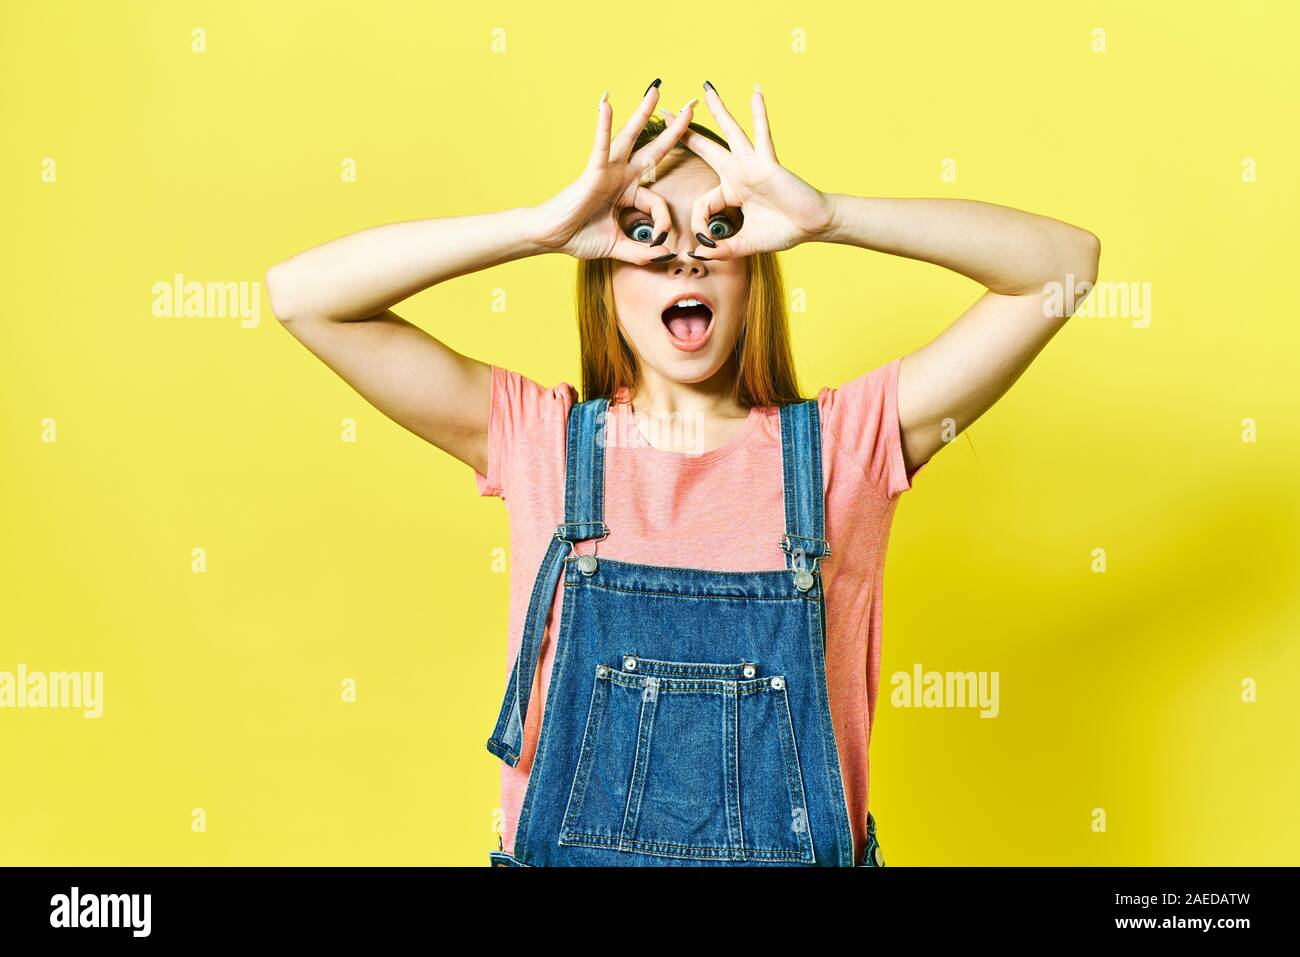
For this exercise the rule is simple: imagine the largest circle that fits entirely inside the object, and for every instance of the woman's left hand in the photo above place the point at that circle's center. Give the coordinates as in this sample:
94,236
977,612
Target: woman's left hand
779,209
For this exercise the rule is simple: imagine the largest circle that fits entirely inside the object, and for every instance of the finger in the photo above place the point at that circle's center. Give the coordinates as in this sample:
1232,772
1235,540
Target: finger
622,145
762,133
726,249
702,209
713,153
639,254
604,119
648,156
736,137
654,205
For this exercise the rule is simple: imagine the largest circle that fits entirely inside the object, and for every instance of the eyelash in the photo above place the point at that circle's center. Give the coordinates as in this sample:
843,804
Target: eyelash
648,222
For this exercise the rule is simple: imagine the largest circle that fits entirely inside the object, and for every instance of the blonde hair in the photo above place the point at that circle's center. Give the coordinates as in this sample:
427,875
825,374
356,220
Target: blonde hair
765,367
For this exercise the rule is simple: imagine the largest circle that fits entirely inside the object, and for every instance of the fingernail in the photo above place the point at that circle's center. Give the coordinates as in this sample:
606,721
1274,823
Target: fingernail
693,100
651,86
664,258
705,240
704,258
603,97
710,86
667,112
757,88
660,240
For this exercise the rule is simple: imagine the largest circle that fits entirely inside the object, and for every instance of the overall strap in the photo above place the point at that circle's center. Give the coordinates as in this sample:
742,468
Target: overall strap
584,486
584,512
804,541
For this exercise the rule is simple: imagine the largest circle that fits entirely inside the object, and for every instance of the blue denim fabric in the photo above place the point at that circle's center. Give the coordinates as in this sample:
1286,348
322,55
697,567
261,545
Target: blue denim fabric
687,721
872,856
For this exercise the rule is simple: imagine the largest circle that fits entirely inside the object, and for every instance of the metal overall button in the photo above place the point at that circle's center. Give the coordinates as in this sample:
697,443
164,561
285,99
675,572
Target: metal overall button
748,671
803,579
629,663
587,564
602,671
778,682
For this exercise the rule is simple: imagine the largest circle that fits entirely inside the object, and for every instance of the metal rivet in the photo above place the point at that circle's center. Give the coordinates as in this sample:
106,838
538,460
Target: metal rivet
803,580
629,663
880,858
601,671
749,671
778,682
587,564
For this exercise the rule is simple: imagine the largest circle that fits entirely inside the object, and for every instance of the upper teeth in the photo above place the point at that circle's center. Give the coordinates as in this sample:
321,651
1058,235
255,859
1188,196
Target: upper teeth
687,302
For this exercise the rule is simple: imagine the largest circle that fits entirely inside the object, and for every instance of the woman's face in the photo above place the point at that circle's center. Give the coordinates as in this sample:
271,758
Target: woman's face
684,344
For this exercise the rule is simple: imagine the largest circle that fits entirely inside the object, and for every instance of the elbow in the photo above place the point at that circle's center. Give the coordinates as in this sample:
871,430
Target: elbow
1086,258
1074,273
280,290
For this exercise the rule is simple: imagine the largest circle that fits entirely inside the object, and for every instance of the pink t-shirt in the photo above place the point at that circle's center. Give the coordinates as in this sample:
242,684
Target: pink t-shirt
722,510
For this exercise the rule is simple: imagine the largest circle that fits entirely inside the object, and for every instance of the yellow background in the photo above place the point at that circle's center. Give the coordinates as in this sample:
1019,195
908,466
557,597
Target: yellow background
373,560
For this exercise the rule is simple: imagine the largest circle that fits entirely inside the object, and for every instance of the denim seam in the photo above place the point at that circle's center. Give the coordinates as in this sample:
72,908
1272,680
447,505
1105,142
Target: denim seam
640,766
586,753
661,668
775,574
746,686
731,752
830,750
709,852
793,774
669,594
502,749
543,739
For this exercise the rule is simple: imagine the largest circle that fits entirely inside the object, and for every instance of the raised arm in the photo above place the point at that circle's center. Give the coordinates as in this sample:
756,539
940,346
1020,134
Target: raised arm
337,298
1015,255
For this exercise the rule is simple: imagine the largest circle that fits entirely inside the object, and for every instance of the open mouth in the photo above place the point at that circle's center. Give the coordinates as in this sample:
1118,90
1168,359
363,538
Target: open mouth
689,323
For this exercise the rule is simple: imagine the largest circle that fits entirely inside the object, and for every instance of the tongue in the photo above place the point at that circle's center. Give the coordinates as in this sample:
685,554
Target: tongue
688,323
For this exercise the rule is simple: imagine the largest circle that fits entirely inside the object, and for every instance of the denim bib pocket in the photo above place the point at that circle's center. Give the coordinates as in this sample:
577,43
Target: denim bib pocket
690,760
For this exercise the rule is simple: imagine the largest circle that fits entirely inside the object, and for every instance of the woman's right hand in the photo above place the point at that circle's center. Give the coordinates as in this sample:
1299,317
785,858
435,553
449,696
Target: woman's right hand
582,220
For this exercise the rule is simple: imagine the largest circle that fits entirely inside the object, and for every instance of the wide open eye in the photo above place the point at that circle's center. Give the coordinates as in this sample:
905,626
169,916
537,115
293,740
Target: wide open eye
643,231
721,227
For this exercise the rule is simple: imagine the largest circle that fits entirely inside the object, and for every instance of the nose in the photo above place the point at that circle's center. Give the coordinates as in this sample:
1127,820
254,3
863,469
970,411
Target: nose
684,242
683,262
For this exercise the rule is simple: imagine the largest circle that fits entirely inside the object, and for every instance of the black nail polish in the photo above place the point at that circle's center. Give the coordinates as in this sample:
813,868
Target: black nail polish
657,81
664,258
705,240
710,86
701,258
660,240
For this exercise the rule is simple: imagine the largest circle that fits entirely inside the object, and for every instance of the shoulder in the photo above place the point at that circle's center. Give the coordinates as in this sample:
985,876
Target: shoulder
867,392
859,422
515,393
525,420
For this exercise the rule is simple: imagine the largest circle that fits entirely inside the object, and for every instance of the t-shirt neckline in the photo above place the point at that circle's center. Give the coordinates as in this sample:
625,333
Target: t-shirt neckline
628,424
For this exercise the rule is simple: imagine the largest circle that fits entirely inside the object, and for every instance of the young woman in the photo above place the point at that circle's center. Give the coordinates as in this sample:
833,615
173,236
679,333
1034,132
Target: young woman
700,690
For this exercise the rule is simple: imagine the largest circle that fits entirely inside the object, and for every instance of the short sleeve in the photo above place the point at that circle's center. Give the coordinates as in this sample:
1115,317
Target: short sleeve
524,418
860,422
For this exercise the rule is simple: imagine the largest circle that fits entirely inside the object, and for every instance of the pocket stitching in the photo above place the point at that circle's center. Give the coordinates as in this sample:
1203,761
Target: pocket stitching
585,757
635,680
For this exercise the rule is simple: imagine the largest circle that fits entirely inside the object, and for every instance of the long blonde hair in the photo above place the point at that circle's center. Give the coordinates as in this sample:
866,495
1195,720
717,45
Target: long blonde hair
765,368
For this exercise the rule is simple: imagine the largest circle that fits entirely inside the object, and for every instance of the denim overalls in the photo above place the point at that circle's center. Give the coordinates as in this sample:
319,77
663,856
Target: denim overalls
686,721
